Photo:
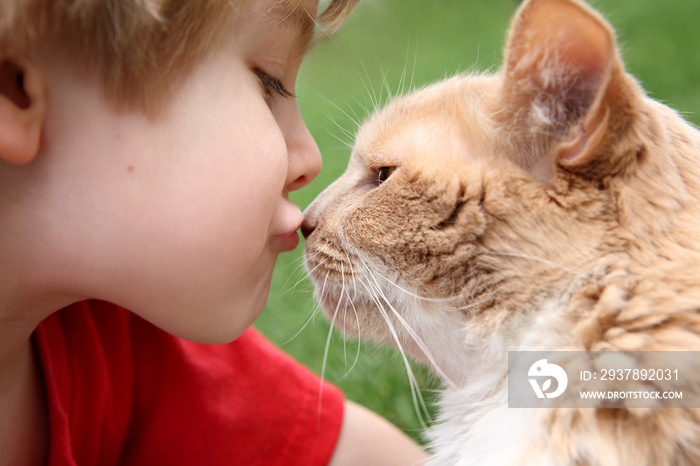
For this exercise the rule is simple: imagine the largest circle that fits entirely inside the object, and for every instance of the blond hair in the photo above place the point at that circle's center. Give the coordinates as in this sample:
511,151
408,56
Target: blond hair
140,48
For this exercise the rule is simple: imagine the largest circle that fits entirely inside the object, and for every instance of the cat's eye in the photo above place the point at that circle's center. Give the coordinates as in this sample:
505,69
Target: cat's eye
384,173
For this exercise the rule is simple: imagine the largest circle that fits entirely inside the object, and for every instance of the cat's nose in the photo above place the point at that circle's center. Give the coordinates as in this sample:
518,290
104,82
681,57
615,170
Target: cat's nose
307,227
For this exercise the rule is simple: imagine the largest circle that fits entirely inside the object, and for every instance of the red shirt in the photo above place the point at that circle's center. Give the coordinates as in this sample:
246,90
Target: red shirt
121,391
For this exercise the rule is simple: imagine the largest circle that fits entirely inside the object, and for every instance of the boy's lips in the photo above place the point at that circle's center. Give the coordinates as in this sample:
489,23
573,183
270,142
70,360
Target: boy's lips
288,241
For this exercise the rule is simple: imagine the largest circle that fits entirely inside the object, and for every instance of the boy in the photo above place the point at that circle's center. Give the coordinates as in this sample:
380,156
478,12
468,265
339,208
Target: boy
147,149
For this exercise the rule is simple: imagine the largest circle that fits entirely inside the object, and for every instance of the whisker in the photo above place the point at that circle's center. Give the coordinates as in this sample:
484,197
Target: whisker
402,82
413,295
386,87
366,80
576,273
290,275
359,339
368,87
357,317
325,352
401,89
415,57
413,383
354,120
316,254
339,139
362,105
345,315
419,341
302,279
356,116
315,311
467,307
346,132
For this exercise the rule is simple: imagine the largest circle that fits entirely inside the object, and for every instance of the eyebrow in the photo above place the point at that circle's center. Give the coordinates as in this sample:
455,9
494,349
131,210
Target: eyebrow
293,14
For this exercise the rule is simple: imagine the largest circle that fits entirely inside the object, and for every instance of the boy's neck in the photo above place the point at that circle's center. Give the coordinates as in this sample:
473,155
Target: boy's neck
24,432
24,422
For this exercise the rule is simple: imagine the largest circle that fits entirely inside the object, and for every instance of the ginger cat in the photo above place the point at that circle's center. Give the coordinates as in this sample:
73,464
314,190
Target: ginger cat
551,206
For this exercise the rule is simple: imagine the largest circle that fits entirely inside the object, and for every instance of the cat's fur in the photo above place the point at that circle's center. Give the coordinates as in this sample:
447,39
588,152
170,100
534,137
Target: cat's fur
551,206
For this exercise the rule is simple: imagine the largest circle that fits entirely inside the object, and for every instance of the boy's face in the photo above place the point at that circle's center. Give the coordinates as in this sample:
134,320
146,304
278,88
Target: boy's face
181,218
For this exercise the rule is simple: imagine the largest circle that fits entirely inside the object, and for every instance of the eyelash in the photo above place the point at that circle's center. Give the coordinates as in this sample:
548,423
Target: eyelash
273,87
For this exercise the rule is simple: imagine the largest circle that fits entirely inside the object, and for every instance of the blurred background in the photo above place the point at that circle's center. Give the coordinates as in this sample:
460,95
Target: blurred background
388,45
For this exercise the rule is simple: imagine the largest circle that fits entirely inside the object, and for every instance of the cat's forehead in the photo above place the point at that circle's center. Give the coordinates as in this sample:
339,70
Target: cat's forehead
445,121
412,139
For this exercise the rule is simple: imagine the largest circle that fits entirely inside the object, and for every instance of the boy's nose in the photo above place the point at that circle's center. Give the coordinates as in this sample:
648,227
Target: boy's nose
304,157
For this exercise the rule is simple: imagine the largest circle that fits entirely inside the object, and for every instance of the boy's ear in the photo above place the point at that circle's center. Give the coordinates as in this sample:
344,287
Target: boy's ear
22,110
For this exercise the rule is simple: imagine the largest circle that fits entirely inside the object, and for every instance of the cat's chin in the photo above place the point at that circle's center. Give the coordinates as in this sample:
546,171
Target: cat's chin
361,316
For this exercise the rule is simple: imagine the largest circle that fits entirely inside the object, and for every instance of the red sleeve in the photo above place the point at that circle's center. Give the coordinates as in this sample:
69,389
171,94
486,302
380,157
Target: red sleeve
122,391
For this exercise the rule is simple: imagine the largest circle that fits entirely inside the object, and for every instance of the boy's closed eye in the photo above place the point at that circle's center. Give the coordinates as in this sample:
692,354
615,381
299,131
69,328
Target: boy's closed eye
272,87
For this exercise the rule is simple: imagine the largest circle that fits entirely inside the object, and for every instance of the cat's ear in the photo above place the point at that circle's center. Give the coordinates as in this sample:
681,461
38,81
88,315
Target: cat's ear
560,63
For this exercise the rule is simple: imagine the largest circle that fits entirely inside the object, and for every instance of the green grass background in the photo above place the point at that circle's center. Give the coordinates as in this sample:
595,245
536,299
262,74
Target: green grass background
388,44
